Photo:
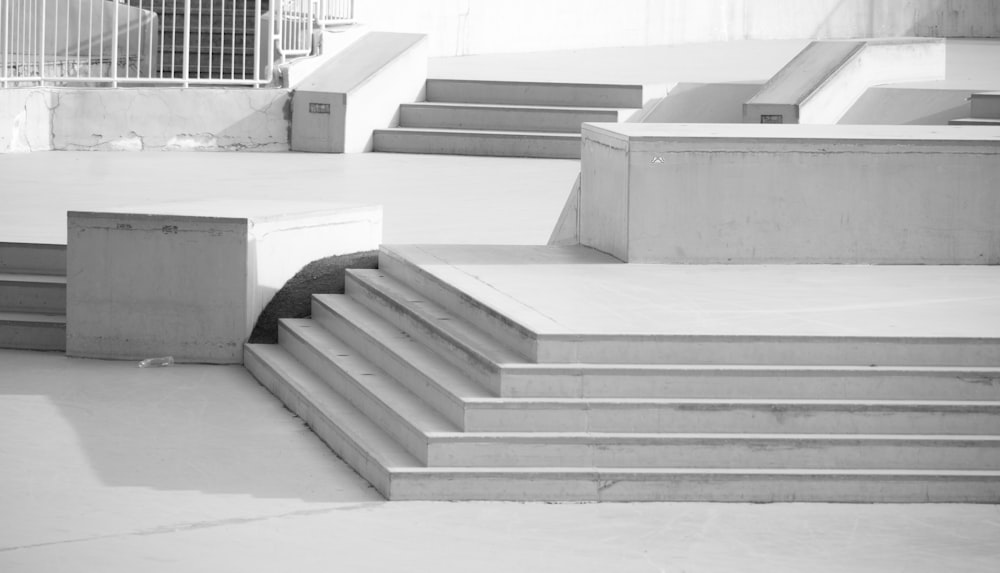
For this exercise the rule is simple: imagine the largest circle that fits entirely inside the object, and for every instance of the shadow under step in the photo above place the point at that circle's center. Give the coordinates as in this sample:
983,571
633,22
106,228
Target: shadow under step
32,331
32,293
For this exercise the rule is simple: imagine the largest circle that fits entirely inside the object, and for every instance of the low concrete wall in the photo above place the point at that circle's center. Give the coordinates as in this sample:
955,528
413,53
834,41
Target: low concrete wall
674,193
142,119
461,27
189,280
825,80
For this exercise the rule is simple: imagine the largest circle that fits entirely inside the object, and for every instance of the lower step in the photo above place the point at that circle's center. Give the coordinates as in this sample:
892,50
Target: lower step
398,476
26,331
33,258
473,142
32,293
502,117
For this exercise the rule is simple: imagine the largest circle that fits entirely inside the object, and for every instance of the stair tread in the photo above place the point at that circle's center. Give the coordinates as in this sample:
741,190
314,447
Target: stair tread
667,437
754,368
29,317
716,402
643,471
418,356
375,382
458,331
535,83
981,120
32,278
374,441
480,132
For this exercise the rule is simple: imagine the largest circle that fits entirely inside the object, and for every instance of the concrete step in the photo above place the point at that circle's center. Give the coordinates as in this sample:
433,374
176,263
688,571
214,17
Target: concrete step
472,142
713,450
477,354
43,294
381,398
975,121
399,476
503,117
985,105
506,373
33,258
419,369
745,349
395,353
29,331
696,484
348,431
536,93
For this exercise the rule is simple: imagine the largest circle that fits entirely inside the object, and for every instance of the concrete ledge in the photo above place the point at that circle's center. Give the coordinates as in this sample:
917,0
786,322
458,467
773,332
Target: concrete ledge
347,98
752,194
822,83
190,279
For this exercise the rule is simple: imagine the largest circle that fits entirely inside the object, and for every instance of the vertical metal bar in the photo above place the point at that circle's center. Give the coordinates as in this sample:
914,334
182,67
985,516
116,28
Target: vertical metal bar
114,45
90,41
100,50
163,33
41,45
197,66
152,18
232,46
186,62
5,25
211,35
257,35
243,56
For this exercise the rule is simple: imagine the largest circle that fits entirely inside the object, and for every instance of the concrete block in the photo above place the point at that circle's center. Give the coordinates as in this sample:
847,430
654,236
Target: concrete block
674,193
347,98
189,279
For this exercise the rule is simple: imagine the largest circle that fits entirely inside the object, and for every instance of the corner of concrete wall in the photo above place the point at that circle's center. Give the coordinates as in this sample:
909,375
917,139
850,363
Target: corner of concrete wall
26,119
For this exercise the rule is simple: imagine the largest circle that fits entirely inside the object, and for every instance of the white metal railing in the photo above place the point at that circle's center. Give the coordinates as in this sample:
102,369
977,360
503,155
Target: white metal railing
152,42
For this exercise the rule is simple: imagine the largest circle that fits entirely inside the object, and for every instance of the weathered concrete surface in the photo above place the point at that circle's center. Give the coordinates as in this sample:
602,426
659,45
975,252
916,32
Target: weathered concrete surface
143,119
25,120
190,279
742,193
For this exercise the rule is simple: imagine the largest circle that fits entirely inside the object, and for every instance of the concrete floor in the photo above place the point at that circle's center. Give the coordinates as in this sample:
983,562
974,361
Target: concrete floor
107,467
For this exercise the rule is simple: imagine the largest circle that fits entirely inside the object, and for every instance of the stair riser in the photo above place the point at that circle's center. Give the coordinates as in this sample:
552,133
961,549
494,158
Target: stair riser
32,297
416,382
36,259
747,384
32,336
494,324
458,354
985,106
512,119
720,453
737,419
975,121
327,430
610,487
488,145
354,391
518,93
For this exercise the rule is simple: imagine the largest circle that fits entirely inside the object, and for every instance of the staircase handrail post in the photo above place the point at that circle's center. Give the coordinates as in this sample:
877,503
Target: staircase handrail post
115,18
186,61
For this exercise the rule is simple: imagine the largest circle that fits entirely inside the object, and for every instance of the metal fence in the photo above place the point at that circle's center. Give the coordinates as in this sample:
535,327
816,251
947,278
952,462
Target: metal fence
153,42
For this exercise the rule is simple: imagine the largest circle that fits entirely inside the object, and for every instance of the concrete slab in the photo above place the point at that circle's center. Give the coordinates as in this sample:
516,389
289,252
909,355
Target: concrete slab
580,291
198,468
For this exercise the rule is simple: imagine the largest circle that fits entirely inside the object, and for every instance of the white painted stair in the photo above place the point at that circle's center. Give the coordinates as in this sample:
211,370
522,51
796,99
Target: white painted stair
397,378
32,296
508,119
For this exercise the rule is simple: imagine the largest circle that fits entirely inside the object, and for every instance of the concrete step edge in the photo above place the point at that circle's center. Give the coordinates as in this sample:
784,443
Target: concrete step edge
427,131
366,387
412,356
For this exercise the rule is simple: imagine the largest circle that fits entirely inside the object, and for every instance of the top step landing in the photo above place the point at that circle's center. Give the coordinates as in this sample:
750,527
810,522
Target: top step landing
574,304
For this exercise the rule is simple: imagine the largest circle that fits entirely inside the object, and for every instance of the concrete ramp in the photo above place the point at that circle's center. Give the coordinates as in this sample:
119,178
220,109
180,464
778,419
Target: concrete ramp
822,83
345,100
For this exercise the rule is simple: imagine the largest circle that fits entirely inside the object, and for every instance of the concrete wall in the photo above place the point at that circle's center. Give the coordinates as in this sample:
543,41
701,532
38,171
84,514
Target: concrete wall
808,194
138,119
460,27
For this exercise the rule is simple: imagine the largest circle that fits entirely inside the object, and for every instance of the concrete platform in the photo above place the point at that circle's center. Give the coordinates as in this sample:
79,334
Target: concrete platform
579,291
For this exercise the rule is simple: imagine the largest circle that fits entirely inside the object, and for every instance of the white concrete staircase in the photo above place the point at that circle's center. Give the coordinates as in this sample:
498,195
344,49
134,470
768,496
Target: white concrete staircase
406,379
984,109
508,119
32,296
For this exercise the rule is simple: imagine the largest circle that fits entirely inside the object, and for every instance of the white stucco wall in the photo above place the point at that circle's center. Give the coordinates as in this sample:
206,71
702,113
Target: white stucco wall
460,27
